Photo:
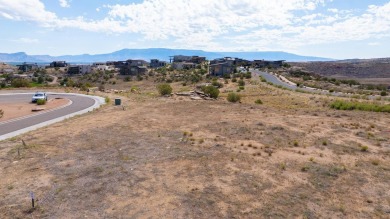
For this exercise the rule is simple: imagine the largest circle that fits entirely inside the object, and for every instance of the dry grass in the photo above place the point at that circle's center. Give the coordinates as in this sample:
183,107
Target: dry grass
177,158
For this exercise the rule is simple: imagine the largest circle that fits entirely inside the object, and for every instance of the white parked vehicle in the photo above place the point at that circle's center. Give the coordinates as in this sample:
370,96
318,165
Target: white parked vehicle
39,96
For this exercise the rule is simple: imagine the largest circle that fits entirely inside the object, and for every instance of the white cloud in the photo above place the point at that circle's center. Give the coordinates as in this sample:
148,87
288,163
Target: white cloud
64,3
221,24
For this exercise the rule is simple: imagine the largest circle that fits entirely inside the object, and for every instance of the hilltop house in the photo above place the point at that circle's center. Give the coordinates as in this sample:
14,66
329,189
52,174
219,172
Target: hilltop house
26,67
79,69
58,64
155,63
223,66
134,67
266,64
187,62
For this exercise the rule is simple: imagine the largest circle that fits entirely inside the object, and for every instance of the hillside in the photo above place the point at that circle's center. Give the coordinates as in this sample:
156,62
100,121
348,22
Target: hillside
358,69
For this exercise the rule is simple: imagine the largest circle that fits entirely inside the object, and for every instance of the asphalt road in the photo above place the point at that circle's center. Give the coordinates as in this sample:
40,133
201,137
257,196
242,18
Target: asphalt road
276,81
80,104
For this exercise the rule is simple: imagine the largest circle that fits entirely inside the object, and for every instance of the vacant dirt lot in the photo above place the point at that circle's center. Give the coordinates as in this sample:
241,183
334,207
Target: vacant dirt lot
15,110
290,157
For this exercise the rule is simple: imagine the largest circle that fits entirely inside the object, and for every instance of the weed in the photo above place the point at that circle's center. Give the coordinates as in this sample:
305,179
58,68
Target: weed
233,97
107,100
283,166
258,101
324,143
375,162
41,102
364,148
296,144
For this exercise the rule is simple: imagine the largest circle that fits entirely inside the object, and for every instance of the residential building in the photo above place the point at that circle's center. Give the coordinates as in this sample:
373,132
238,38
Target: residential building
58,64
134,67
26,67
155,63
79,69
266,64
183,65
194,59
220,67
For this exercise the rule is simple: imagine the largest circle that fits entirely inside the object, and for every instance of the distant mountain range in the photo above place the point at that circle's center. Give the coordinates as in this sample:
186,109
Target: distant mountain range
156,53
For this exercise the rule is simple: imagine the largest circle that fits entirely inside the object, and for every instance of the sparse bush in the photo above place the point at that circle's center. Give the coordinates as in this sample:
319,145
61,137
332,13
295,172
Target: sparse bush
241,83
212,91
362,106
383,93
233,97
164,89
1,113
41,102
234,80
258,101
107,100
20,82
364,148
217,84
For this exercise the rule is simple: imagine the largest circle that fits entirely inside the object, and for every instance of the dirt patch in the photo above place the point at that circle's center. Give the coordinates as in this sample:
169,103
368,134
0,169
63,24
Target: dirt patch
291,157
15,110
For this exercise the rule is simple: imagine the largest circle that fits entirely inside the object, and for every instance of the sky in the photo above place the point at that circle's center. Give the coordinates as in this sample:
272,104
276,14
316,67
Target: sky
337,29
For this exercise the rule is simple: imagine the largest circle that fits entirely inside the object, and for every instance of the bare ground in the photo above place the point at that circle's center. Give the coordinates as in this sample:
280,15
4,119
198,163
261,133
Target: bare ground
291,157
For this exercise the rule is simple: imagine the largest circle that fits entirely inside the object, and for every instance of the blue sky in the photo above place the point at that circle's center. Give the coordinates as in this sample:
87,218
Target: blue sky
327,28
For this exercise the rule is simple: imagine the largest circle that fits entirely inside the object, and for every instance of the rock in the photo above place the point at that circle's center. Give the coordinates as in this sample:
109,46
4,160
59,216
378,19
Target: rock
196,98
185,93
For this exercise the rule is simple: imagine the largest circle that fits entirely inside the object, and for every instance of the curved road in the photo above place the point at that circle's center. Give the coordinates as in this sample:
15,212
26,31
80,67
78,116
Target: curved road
276,81
79,104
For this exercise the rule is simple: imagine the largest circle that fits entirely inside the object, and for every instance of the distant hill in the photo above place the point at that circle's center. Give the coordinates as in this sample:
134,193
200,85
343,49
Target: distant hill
352,68
155,53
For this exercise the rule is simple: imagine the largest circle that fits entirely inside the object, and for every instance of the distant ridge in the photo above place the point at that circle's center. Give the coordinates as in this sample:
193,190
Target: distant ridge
156,53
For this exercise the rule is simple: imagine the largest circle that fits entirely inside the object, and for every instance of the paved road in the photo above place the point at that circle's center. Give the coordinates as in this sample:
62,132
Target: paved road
275,80
79,104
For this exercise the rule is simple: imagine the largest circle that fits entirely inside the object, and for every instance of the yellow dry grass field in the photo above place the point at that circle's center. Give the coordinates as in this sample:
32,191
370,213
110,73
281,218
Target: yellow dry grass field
173,157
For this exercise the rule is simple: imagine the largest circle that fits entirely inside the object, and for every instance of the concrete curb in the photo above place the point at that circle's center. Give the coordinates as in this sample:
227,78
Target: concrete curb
98,102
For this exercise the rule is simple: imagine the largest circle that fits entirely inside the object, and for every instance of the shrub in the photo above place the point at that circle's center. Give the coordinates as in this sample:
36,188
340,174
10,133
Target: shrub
212,91
20,82
41,102
362,106
107,100
217,84
383,93
364,148
241,83
164,89
234,80
233,97
1,113
258,101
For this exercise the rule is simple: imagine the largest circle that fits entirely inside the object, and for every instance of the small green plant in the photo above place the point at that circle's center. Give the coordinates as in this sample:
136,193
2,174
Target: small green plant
233,97
364,148
304,168
107,100
164,89
241,83
283,166
258,101
383,93
296,144
41,102
324,143
212,91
